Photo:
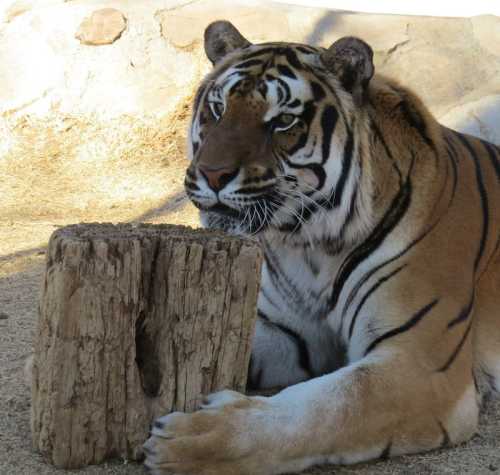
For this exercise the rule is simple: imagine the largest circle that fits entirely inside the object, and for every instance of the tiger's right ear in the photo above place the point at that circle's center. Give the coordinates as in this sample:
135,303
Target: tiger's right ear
351,60
221,38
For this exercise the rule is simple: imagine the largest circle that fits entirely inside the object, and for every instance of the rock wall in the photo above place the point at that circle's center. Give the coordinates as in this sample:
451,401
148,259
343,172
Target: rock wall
115,57
92,90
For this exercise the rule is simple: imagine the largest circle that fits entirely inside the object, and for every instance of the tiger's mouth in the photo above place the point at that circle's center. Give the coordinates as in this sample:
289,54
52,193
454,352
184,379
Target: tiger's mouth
221,209
249,221
225,210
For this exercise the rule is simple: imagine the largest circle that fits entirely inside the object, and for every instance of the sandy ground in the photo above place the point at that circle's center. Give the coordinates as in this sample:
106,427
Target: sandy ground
74,172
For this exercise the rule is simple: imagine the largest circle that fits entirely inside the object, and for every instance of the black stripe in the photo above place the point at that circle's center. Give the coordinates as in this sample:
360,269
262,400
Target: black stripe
413,243
256,189
403,328
227,80
253,383
267,175
386,453
236,87
372,289
307,212
295,103
293,59
329,119
304,360
351,213
191,173
275,275
313,266
196,146
493,153
259,53
374,270
318,91
284,70
464,313
301,143
346,168
445,442
476,383
308,113
378,135
391,218
453,356
490,259
189,185
247,64
353,208
416,121
262,88
307,117
305,50
202,118
284,85
452,154
323,80
484,199
288,290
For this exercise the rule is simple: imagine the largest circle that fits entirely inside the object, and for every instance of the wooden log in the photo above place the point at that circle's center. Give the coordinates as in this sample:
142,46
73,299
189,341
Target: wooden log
136,321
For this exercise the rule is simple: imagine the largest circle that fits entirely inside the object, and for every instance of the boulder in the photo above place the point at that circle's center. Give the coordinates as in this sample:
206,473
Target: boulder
154,55
103,27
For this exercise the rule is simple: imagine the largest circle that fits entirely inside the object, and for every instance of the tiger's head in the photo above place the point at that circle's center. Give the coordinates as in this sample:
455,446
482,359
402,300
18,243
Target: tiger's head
275,138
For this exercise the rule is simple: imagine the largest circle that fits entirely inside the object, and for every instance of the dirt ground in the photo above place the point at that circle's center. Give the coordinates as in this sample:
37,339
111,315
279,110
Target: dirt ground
73,171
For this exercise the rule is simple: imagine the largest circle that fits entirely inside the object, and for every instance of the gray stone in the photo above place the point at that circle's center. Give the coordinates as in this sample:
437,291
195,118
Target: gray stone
140,75
160,59
183,27
103,27
480,118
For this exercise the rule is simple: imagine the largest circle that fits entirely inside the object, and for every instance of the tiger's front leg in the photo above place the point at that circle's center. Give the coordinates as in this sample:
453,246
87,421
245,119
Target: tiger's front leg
386,404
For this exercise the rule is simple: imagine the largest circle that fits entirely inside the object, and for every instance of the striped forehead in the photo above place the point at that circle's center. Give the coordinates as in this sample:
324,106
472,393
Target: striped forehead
275,80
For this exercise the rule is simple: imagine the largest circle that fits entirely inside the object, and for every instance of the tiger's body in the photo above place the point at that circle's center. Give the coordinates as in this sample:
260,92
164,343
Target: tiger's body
380,295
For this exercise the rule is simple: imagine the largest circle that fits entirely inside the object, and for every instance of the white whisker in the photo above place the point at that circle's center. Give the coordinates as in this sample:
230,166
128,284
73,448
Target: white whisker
300,220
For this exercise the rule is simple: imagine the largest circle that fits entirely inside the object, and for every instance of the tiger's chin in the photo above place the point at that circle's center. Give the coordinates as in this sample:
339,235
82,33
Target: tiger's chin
233,224
214,220
223,222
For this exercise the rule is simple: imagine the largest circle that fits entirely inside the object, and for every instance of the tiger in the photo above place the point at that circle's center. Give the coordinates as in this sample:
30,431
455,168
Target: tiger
379,307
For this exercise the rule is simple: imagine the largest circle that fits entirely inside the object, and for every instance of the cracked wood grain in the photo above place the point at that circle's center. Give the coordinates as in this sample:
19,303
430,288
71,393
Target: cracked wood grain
136,321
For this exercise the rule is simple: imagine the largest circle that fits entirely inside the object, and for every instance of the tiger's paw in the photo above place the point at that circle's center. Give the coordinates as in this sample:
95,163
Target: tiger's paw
219,439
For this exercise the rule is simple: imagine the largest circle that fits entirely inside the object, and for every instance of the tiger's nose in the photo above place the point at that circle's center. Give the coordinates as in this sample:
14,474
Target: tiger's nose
218,177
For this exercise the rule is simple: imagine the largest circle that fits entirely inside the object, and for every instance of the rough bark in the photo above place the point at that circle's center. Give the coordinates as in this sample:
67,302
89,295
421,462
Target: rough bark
136,321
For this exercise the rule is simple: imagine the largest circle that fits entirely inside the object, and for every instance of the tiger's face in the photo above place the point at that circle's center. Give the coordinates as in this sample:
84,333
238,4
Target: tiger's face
273,141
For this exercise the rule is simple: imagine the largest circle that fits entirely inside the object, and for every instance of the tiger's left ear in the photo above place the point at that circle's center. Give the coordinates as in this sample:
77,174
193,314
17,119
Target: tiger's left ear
221,38
351,60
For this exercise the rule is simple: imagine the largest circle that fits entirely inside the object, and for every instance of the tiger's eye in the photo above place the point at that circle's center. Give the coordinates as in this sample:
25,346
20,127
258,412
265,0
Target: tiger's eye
283,122
285,119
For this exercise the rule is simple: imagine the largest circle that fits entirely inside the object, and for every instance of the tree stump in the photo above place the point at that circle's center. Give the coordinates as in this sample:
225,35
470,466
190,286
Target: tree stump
136,321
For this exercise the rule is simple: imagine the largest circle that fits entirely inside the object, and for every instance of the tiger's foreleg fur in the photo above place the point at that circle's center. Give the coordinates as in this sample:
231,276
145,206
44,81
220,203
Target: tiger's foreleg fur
383,405
403,396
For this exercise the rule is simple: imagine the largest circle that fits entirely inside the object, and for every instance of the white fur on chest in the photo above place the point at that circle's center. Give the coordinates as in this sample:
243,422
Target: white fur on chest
298,283
295,289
